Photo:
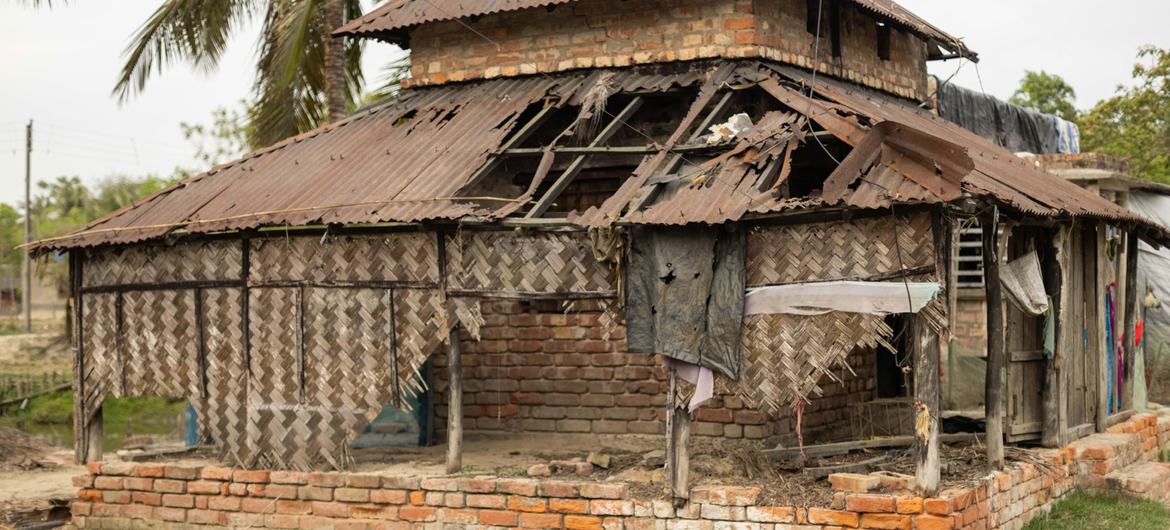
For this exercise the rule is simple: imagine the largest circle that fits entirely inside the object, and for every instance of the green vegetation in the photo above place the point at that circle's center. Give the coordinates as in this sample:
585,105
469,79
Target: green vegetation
51,417
1135,123
1046,93
1082,510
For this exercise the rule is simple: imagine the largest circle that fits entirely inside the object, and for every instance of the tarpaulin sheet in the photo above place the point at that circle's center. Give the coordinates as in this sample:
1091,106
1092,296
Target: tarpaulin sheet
1011,126
818,298
684,294
1154,274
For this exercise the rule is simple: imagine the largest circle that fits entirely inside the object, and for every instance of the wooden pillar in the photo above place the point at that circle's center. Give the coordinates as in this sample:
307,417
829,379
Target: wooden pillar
678,439
993,388
1055,394
1098,297
94,435
454,404
78,345
926,397
1129,320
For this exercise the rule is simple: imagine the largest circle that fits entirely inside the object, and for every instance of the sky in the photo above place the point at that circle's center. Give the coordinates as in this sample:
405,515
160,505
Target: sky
59,65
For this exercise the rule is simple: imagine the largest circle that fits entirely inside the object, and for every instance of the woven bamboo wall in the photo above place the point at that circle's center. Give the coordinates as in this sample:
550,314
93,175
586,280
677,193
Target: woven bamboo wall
784,356
546,262
327,333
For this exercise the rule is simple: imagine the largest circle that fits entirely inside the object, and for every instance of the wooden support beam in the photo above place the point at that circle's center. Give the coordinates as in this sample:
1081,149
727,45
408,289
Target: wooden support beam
1130,312
993,387
516,139
75,264
454,404
578,163
678,439
1055,393
674,162
924,341
1098,297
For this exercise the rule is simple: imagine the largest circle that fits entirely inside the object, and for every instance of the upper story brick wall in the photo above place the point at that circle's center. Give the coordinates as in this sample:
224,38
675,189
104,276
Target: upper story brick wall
614,33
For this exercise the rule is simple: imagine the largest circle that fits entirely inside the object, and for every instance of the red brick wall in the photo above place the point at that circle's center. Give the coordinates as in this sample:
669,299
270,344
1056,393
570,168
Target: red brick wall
539,369
118,495
609,33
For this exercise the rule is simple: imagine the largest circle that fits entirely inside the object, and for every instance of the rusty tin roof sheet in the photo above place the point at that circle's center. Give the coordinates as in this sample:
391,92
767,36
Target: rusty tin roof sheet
396,15
407,162
402,162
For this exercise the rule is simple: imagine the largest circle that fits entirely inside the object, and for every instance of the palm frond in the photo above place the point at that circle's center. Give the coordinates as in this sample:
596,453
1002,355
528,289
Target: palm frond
290,81
391,81
195,31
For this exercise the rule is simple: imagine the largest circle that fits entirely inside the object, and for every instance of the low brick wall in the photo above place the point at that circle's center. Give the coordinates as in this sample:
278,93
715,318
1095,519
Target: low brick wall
117,495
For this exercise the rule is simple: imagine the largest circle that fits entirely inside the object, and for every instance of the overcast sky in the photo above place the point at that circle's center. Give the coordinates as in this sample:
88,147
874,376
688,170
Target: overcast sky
58,67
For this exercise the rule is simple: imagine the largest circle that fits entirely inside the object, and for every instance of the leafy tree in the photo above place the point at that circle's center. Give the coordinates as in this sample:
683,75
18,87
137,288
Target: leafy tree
225,139
1135,123
1047,93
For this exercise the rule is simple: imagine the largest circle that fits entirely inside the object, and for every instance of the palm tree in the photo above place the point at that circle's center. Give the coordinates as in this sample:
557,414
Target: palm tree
304,77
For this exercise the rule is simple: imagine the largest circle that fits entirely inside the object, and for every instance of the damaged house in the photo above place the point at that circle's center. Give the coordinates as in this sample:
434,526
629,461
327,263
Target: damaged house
704,220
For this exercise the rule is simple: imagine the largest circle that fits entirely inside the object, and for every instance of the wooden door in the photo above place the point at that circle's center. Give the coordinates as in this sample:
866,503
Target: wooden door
1025,354
1079,336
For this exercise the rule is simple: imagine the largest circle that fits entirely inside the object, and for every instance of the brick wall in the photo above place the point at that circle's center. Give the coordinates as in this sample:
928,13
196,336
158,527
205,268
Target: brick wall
117,495
614,33
539,369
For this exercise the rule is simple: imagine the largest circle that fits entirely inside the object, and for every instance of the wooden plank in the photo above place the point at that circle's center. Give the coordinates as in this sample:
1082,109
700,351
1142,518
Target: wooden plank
1129,281
1054,432
454,404
94,436
1102,416
927,474
75,270
840,448
678,434
993,387
677,159
516,139
578,163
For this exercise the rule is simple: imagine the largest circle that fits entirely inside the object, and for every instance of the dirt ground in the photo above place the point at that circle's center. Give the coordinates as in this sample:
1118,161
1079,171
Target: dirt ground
35,479
637,460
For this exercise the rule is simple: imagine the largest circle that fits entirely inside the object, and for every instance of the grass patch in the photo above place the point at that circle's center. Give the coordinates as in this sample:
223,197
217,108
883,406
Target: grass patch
51,417
1084,510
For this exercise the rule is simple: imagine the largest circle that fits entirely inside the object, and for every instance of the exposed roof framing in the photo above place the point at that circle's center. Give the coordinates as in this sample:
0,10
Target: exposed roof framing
391,20
429,156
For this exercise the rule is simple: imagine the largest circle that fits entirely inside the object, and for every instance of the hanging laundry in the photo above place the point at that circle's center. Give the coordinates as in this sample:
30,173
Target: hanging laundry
1024,283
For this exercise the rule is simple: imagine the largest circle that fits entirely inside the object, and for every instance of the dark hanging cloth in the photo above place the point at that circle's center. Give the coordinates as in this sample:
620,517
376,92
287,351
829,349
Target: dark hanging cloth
1011,126
684,294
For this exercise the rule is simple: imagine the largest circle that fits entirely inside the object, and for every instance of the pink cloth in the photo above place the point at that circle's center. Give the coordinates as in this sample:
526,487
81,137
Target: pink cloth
700,376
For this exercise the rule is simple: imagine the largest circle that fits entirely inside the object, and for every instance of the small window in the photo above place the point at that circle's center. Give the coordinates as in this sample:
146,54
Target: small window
835,26
883,41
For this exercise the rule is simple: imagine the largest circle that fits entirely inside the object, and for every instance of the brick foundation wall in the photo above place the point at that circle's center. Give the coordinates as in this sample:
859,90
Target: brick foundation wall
615,33
539,369
118,495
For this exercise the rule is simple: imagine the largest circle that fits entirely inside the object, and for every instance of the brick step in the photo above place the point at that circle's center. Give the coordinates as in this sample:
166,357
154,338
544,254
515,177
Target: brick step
1148,480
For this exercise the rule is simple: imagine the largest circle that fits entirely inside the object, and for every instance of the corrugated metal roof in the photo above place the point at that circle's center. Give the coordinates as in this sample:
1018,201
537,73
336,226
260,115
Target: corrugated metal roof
408,161
396,162
396,15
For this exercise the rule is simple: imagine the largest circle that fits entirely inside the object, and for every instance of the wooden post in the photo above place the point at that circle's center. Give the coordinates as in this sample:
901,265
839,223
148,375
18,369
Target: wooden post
926,397
79,440
1130,312
1098,297
1055,394
94,435
678,437
454,404
993,386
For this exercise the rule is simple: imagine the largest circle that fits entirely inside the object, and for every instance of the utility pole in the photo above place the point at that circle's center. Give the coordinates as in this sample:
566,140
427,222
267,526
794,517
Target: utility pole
26,266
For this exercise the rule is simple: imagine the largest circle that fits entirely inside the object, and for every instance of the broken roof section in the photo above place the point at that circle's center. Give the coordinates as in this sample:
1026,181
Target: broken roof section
513,147
391,20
